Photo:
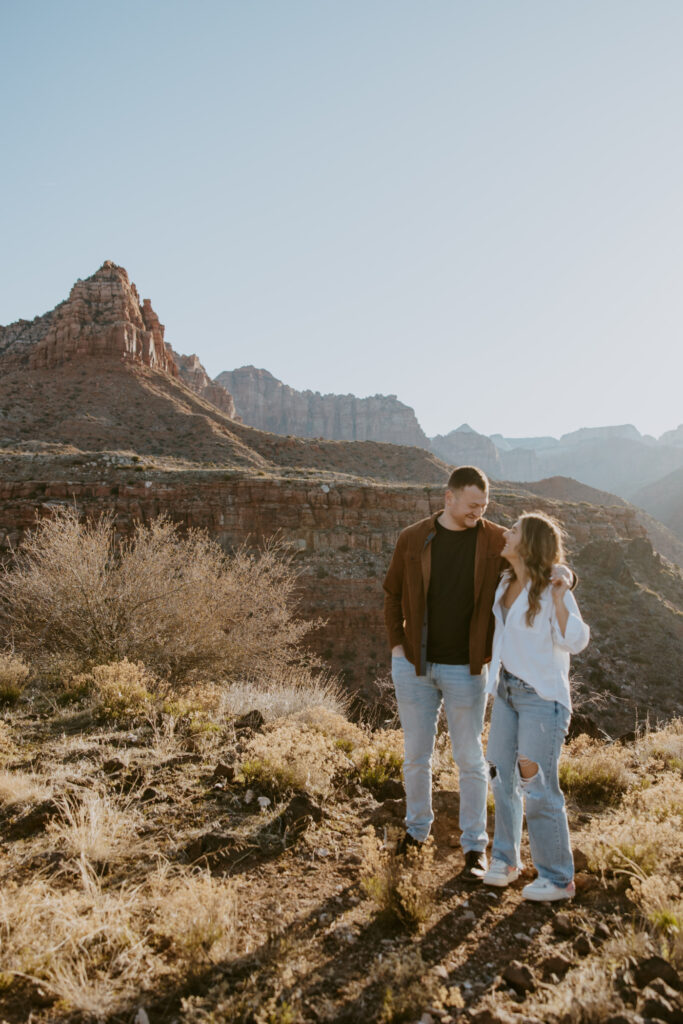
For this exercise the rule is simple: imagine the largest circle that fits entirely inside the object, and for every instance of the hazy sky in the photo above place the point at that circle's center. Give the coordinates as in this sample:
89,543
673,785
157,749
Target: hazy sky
476,205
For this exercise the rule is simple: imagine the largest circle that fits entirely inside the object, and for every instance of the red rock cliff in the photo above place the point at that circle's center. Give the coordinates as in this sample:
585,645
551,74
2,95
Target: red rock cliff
103,316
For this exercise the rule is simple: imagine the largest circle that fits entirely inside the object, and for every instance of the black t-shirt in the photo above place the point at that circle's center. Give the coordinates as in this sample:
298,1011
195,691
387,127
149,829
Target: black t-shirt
450,598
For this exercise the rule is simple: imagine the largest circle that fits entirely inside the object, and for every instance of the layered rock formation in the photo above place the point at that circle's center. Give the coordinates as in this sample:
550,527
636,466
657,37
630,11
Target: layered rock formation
265,402
465,447
102,317
197,379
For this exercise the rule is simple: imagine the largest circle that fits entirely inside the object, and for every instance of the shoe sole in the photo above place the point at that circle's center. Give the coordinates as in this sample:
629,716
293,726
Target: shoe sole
501,883
539,898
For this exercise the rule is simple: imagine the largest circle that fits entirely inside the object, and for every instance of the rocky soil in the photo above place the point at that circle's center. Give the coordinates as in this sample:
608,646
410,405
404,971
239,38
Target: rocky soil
306,941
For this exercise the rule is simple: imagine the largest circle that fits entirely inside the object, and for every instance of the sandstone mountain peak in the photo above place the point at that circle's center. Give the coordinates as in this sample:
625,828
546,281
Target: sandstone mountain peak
103,316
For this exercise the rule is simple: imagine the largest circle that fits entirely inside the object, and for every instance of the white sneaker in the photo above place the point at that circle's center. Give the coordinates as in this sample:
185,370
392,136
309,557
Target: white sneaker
500,874
542,890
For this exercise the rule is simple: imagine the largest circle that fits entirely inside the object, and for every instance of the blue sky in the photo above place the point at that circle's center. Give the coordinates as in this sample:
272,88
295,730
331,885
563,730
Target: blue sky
477,206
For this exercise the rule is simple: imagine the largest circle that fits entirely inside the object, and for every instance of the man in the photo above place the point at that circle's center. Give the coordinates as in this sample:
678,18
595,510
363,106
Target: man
439,592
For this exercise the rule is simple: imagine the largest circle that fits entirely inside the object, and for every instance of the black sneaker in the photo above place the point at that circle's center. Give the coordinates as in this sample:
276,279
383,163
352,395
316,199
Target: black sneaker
475,866
405,842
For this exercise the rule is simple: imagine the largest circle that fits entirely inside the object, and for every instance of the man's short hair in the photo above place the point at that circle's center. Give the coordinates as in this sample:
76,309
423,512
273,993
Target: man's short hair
466,476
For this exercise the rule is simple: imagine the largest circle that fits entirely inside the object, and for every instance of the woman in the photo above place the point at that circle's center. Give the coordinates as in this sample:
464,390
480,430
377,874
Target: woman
538,625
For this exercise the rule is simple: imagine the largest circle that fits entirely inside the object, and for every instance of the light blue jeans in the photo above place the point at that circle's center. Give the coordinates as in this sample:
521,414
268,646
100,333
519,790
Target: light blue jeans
527,726
419,701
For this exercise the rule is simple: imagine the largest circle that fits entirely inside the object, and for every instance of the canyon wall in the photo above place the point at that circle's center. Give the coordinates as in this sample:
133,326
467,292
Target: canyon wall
264,402
342,535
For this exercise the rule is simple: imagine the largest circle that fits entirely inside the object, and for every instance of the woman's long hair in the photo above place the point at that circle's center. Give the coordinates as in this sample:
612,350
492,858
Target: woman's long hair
540,548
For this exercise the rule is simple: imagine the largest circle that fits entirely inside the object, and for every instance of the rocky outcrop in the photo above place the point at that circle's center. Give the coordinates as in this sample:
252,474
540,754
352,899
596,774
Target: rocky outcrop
102,317
465,447
265,402
197,379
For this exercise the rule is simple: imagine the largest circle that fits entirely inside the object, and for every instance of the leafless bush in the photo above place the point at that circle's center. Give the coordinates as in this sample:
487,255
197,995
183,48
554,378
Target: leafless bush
175,602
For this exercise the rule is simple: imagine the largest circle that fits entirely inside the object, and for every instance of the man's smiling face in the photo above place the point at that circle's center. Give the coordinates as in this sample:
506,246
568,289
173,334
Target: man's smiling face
465,507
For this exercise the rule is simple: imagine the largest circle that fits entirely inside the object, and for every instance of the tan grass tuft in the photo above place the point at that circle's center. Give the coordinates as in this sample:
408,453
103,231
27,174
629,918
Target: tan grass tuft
13,675
18,788
93,828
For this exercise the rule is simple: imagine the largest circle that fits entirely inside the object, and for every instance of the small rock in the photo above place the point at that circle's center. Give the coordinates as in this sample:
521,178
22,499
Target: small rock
601,932
655,1007
583,945
453,842
519,976
580,861
392,789
556,964
562,925
252,720
498,1016
426,1018
249,796
264,802
224,771
299,813
149,794
655,967
141,1016
441,971
33,820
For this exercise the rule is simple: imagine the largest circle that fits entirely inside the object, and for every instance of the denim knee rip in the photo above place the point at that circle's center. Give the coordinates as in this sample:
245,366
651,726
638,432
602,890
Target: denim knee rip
533,785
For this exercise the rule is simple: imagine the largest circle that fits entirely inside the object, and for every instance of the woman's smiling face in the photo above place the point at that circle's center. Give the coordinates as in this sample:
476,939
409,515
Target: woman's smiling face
513,536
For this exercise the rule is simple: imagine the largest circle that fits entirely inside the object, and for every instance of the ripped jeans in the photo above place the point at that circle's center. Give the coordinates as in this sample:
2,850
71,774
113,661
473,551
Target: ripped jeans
525,726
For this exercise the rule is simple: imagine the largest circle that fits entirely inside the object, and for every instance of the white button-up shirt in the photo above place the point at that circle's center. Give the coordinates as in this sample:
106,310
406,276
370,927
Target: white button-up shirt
538,654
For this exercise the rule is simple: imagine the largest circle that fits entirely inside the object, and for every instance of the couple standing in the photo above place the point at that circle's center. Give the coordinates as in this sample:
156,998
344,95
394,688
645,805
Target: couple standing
448,573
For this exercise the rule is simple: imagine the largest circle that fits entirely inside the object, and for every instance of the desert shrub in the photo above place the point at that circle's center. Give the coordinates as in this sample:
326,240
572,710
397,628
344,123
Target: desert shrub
397,885
663,745
13,675
378,766
120,690
292,755
661,902
593,772
175,602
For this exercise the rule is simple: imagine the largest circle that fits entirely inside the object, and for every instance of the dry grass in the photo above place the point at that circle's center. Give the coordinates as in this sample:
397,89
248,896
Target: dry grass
663,745
94,949
174,602
592,772
641,838
294,690
13,675
21,789
93,828
397,885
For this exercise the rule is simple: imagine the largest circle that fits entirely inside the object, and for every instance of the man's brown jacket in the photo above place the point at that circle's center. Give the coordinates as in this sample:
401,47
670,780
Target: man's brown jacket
407,582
